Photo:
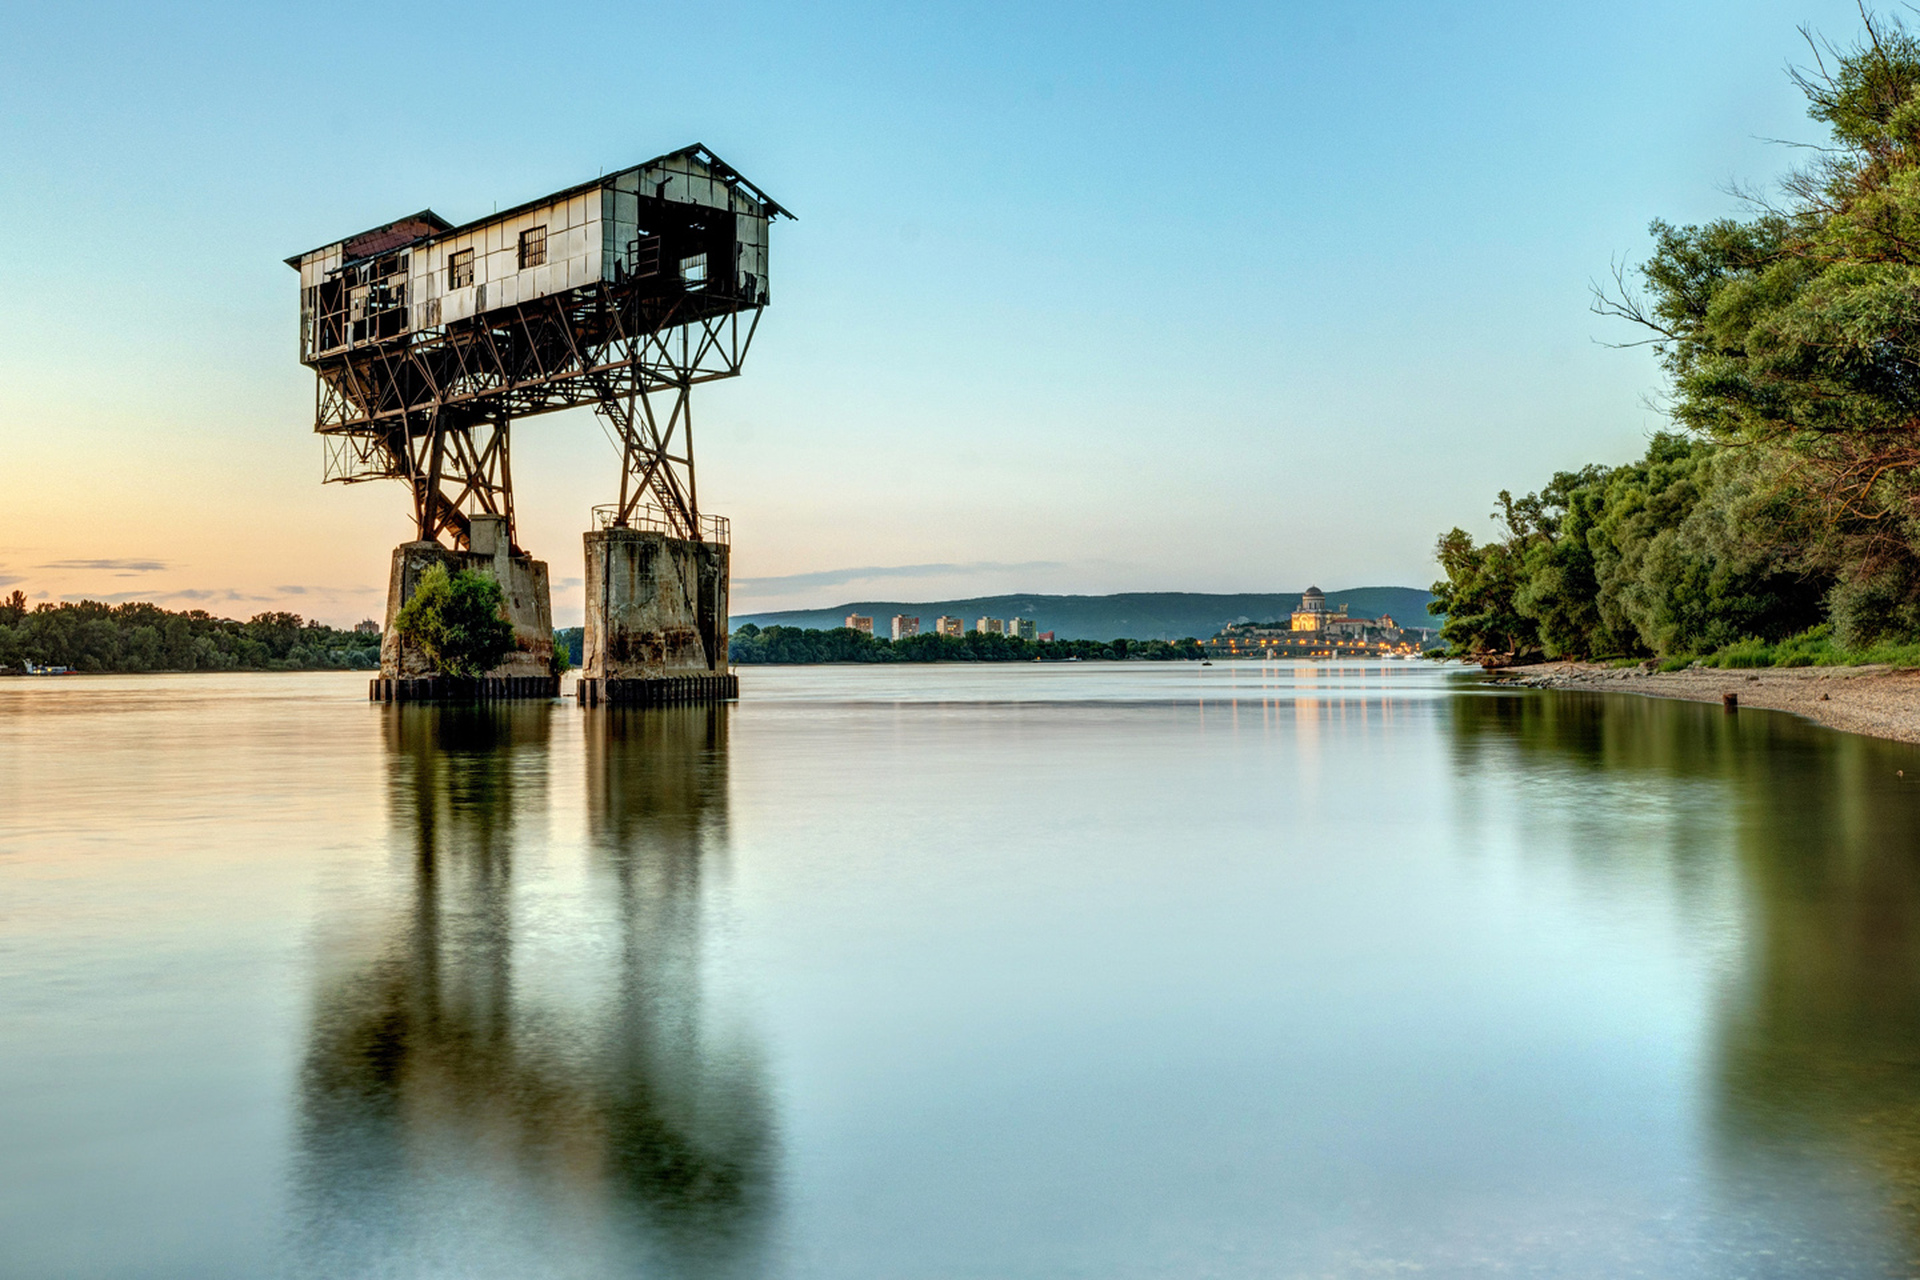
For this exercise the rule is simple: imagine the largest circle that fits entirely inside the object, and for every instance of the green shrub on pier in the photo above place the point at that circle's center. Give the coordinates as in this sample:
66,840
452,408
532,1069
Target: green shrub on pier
458,620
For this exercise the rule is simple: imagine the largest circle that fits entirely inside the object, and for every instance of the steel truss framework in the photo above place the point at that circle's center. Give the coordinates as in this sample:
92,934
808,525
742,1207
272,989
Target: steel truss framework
435,408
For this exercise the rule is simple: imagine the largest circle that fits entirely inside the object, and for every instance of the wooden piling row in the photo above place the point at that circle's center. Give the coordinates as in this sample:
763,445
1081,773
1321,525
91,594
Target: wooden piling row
660,692
457,689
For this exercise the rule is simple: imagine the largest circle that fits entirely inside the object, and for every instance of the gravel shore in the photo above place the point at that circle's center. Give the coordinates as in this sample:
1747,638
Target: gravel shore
1882,702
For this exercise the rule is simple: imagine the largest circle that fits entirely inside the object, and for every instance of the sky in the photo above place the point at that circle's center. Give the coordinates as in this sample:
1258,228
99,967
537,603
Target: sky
1080,298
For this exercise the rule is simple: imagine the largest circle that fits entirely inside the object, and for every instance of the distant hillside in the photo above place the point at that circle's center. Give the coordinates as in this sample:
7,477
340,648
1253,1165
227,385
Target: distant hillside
1142,615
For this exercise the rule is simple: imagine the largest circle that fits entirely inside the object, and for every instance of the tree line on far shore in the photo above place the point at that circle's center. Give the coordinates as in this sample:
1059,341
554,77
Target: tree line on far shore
90,636
750,645
87,635
1783,524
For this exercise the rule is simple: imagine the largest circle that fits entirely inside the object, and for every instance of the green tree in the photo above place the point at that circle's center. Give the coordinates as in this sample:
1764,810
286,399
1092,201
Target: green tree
1689,549
458,620
1479,594
279,632
1796,333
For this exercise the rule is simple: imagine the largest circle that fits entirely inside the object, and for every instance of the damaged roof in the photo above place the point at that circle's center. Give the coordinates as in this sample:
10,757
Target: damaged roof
426,224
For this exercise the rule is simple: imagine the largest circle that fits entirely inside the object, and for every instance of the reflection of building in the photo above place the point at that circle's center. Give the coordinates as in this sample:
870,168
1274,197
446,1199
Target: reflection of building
903,626
490,1052
860,622
991,627
1313,631
694,1144
949,626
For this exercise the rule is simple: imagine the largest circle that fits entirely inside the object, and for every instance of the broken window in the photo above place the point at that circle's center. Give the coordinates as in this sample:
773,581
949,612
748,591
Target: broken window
533,247
643,257
693,271
460,269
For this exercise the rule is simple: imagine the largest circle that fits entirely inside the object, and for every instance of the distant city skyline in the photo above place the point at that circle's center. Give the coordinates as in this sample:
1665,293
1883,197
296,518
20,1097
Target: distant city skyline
1079,299
1144,615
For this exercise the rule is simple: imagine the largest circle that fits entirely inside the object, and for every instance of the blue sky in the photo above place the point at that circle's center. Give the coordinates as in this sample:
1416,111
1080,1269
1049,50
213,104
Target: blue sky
1080,298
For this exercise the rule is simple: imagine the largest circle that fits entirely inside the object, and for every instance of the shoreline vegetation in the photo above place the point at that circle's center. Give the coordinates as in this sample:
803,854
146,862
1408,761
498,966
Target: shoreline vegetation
1778,527
90,637
1878,701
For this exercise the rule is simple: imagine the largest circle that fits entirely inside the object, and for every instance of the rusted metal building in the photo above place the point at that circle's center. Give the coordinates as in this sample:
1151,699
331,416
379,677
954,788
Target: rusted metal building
429,341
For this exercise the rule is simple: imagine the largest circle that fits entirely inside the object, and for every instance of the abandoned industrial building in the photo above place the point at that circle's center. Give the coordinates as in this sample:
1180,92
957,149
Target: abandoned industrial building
624,293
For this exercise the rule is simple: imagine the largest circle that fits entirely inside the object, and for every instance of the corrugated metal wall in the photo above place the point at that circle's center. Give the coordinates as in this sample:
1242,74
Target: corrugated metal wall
573,258
586,235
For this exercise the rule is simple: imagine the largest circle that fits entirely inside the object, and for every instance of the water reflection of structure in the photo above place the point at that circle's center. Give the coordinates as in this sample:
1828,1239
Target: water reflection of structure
693,1142
505,1079
1815,1092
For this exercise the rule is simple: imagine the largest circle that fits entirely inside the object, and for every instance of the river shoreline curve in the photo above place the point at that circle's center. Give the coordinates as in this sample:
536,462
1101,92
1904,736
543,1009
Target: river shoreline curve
1878,701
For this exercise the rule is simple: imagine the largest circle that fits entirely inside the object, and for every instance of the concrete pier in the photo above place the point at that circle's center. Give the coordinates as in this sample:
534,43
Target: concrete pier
656,628
406,673
455,689
666,691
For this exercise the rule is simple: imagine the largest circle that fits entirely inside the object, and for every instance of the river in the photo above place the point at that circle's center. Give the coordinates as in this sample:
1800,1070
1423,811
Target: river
1103,970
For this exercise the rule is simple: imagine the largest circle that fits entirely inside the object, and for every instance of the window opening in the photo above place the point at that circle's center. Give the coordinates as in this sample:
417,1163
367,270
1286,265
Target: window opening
693,271
533,247
460,269
643,257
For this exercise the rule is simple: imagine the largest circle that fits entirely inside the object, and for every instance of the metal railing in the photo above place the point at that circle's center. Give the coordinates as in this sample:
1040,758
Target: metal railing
642,259
715,529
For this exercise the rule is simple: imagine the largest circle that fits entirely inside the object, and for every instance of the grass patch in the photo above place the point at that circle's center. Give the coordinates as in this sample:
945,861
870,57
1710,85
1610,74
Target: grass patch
1745,655
1812,648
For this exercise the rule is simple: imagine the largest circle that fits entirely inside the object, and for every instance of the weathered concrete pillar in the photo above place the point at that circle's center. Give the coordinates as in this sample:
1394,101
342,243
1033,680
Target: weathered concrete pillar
656,611
522,579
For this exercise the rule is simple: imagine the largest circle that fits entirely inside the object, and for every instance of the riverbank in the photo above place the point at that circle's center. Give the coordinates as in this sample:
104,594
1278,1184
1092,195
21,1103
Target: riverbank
1882,702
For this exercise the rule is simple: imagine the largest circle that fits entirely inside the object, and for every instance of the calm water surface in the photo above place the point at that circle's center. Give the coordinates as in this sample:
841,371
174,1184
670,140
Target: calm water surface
1104,971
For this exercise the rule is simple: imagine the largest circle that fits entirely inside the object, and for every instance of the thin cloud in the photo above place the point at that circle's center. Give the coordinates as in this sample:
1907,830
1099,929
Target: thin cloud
203,593
8,579
122,567
192,595
839,577
222,595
